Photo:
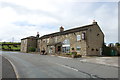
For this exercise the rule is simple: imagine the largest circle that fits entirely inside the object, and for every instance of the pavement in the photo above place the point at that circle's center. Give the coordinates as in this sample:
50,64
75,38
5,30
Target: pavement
45,66
108,61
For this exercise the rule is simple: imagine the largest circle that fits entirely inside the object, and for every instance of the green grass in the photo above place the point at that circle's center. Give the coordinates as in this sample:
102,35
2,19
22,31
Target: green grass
9,42
10,47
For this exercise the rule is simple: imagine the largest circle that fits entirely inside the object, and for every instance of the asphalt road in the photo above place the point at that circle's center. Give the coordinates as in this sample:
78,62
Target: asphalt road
45,66
7,69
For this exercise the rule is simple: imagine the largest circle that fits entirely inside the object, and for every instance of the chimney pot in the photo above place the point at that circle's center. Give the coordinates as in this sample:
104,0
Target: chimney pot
94,22
61,29
37,35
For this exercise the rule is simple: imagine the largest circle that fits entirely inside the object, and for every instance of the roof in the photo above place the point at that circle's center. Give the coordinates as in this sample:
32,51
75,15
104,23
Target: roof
30,37
83,28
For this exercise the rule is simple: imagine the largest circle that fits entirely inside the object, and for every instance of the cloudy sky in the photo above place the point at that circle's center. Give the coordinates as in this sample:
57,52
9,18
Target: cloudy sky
23,18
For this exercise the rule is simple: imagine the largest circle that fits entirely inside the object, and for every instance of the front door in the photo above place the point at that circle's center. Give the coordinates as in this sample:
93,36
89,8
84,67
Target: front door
50,49
58,49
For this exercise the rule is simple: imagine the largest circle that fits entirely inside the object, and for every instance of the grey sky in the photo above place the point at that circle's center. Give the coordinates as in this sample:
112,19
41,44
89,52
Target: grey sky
22,18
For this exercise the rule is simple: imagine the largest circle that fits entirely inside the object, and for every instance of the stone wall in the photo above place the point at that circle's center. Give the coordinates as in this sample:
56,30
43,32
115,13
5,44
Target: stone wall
95,40
91,45
32,43
27,43
91,39
57,39
23,45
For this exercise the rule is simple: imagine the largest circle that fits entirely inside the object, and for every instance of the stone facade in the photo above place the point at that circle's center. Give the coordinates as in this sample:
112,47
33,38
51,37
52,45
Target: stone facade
28,42
86,40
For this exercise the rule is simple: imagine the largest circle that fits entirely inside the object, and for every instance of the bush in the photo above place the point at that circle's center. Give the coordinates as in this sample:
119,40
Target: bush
32,49
74,54
68,53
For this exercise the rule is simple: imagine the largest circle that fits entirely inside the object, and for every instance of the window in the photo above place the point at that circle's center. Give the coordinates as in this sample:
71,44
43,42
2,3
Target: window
66,49
66,46
83,36
66,42
50,49
78,48
78,37
55,39
48,40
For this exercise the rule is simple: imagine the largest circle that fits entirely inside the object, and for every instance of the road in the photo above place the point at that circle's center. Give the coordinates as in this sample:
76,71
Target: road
45,66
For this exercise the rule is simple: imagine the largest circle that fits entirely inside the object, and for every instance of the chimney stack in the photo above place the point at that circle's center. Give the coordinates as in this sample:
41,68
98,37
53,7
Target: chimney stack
94,22
61,29
37,35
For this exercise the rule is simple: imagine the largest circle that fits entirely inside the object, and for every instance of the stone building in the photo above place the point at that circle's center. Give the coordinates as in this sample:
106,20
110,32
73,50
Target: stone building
27,43
86,40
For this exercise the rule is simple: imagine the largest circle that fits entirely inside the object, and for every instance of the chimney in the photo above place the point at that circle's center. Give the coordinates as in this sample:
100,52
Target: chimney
61,29
94,22
37,35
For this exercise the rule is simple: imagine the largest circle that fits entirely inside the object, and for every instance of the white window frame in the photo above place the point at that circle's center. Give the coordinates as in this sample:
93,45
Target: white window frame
48,40
78,37
66,42
83,36
77,48
55,39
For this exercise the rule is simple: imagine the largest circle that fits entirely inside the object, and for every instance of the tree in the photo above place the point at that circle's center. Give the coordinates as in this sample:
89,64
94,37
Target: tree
111,45
117,44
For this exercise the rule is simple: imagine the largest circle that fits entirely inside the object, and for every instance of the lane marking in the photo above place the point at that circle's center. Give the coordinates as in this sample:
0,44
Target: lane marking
90,75
67,67
52,55
64,57
14,68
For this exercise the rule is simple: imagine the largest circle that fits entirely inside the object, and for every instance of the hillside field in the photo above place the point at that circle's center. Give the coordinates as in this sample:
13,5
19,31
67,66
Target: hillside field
10,46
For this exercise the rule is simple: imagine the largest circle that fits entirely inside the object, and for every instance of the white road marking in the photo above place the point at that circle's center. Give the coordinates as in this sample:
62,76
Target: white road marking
67,67
52,55
64,57
14,68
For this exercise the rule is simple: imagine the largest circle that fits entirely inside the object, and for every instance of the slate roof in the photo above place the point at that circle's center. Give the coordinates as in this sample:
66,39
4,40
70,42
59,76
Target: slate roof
83,28
29,37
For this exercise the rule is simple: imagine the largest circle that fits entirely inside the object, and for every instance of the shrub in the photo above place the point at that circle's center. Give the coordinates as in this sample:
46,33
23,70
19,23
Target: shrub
32,49
68,53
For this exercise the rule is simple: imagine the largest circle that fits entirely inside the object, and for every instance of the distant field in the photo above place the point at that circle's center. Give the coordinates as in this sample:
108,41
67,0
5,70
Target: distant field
10,46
